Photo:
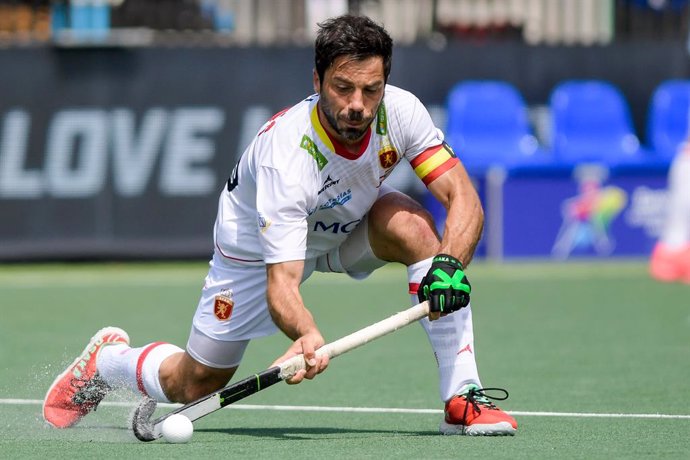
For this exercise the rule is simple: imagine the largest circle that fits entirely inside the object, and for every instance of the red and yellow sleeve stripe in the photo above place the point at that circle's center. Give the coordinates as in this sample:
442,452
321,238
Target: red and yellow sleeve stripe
433,162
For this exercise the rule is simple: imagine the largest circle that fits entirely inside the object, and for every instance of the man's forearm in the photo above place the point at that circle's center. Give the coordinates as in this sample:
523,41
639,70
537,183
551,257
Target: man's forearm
463,229
289,313
465,216
284,300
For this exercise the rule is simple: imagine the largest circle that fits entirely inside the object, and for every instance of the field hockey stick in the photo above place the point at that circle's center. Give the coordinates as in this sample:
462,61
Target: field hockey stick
146,429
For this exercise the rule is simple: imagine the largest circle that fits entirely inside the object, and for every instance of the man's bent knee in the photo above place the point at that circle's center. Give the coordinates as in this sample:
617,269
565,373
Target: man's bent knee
185,380
401,230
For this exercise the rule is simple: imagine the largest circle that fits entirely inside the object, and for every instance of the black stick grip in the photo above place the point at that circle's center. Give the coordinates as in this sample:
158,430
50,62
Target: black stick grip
249,386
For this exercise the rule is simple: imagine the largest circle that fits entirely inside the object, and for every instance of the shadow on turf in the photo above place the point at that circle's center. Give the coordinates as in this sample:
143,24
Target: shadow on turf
309,433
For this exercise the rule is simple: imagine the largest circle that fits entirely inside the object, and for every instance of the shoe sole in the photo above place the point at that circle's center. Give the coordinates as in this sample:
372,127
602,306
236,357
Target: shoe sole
495,429
92,342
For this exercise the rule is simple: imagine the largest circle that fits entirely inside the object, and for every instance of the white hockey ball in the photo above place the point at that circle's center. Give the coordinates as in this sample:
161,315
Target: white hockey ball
177,429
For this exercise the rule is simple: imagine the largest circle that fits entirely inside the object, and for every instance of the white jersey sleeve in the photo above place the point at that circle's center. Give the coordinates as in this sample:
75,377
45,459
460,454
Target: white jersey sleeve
421,133
286,185
421,143
262,217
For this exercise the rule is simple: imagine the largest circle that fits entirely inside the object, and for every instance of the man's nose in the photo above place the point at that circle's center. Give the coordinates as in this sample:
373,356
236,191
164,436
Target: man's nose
356,103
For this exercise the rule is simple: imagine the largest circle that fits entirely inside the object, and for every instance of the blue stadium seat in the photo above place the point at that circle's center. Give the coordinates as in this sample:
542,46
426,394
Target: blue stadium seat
667,121
591,122
673,5
488,125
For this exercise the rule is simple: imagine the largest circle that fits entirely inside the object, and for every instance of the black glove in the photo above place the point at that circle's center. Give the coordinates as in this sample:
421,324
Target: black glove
445,285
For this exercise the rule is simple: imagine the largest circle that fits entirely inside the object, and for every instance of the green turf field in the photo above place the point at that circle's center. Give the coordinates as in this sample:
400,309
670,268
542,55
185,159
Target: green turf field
586,351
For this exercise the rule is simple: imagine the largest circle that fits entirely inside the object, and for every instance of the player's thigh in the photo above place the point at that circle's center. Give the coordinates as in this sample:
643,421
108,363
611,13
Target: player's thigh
232,310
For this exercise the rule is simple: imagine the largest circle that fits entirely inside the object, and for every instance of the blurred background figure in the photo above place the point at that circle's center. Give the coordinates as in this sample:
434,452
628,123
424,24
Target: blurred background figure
671,257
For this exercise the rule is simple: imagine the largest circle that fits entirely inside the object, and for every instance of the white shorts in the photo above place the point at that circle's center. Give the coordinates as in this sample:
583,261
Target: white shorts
233,309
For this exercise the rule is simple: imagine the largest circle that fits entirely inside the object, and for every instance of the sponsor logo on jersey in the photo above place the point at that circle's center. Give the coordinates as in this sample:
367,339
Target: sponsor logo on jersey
264,223
339,200
223,305
381,120
328,183
336,227
309,145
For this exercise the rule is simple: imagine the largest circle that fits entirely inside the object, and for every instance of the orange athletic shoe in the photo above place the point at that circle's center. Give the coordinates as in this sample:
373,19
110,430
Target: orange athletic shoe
79,389
471,413
669,265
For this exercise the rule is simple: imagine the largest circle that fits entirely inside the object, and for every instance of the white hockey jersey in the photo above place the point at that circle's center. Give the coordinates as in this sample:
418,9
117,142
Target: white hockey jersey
296,193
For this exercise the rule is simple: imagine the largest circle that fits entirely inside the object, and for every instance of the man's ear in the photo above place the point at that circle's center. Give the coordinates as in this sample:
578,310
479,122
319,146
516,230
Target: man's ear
316,81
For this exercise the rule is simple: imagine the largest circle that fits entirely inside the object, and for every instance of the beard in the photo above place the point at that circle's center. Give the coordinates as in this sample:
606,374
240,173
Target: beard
348,133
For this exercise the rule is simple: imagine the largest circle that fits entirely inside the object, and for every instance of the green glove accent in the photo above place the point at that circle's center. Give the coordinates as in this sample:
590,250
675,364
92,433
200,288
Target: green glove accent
445,285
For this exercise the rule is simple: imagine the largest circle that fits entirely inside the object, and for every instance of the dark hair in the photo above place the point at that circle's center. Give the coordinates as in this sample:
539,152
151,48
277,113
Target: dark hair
348,35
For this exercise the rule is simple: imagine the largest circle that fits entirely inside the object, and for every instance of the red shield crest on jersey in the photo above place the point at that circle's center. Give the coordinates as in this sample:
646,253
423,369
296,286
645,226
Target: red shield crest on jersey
222,307
388,158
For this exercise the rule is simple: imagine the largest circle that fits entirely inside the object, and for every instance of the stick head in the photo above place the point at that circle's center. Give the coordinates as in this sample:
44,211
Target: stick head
141,420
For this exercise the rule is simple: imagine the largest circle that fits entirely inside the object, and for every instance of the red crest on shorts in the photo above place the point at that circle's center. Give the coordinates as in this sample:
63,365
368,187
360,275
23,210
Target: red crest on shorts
388,158
222,307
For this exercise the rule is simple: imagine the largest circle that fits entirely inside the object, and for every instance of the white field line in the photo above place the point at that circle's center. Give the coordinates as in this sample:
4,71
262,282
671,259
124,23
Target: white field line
373,410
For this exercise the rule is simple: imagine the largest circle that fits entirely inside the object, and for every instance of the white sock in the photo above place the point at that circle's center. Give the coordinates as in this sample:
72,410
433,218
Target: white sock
135,368
676,232
452,339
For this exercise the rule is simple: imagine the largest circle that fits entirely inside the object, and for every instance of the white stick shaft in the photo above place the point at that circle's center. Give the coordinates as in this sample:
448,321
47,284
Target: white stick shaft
357,339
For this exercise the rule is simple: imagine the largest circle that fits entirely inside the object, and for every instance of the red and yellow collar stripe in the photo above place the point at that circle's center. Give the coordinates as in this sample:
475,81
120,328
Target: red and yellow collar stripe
320,130
433,162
